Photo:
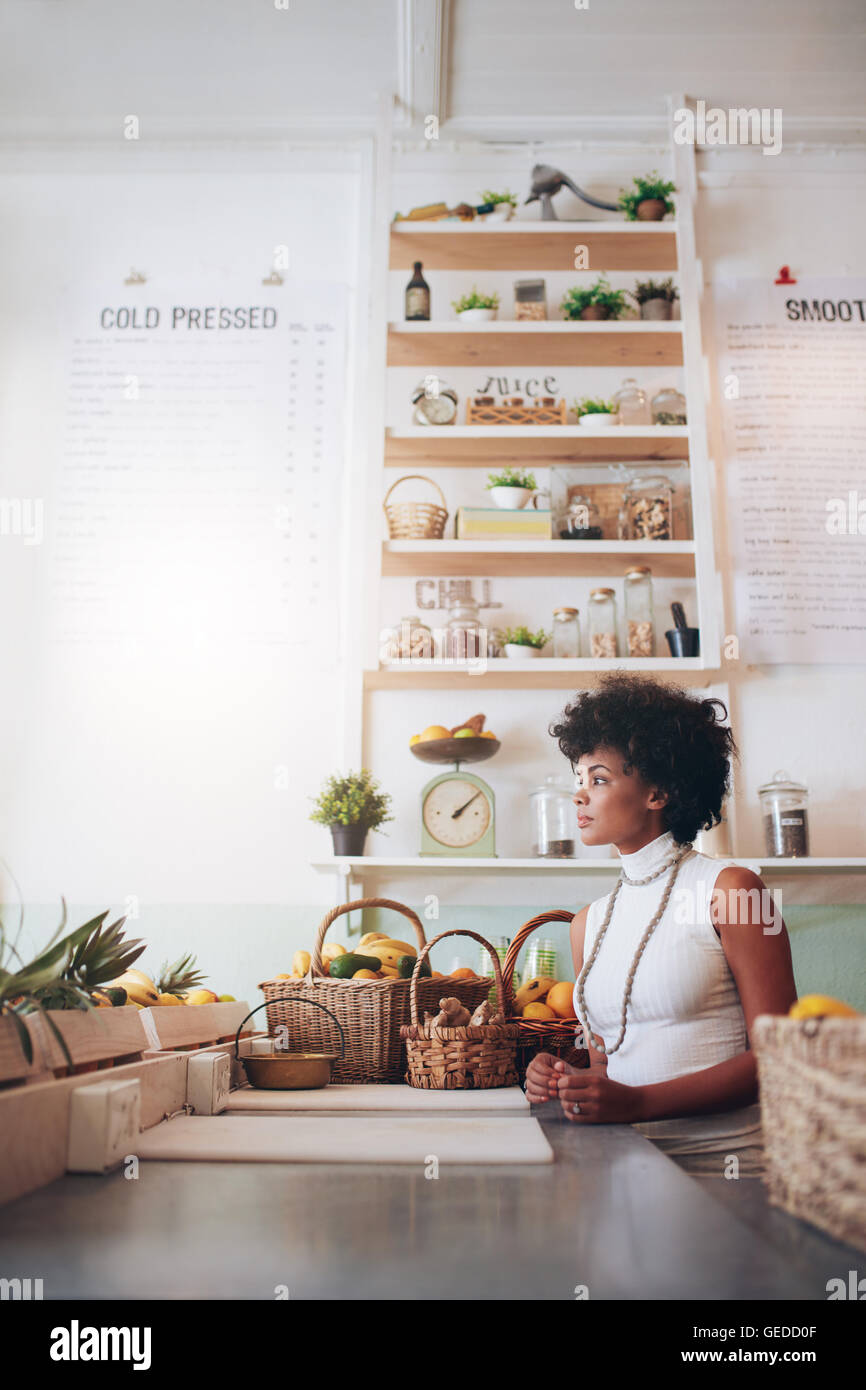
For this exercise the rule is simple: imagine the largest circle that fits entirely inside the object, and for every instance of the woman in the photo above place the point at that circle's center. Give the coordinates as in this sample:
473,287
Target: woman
673,965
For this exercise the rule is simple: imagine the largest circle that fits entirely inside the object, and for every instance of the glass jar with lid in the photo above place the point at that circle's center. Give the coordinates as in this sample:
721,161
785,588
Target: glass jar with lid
602,624
553,819
465,637
640,631
669,407
784,806
566,633
647,510
631,404
410,639
581,520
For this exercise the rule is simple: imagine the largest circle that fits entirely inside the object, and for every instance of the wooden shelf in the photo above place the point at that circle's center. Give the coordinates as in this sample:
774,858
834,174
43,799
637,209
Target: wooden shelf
477,446
647,246
531,559
556,345
412,864
501,673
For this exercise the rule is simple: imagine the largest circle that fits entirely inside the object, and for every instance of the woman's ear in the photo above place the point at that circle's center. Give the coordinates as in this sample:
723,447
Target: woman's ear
657,800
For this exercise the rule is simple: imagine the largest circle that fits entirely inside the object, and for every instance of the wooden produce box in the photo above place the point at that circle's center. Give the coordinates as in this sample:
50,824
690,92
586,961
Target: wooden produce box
97,1039
192,1026
34,1119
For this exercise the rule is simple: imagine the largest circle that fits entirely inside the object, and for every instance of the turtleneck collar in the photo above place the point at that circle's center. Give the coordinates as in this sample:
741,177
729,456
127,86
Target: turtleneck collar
650,857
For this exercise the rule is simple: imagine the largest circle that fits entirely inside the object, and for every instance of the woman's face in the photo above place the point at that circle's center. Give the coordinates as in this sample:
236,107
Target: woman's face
614,808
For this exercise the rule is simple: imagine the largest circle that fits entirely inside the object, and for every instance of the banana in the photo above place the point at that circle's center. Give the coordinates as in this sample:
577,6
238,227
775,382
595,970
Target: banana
370,937
139,989
533,991
402,947
300,963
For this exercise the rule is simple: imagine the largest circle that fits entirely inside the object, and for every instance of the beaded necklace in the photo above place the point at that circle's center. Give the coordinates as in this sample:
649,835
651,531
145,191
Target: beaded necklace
634,882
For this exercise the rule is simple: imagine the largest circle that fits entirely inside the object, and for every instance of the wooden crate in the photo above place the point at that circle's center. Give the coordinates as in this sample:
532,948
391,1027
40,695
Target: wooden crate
504,414
97,1039
34,1119
193,1026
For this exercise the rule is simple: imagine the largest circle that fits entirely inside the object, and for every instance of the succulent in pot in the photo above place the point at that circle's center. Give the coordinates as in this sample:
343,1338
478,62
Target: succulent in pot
519,642
649,200
511,488
593,412
351,805
475,307
596,301
656,298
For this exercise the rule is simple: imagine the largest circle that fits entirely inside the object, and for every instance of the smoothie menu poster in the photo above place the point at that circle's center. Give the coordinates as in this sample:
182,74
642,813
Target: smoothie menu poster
792,379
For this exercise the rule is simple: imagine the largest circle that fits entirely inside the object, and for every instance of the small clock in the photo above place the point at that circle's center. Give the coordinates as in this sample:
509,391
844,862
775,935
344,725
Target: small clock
437,407
457,817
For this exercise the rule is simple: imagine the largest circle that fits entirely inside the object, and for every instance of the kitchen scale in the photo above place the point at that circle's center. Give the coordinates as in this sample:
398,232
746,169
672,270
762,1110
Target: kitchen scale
458,809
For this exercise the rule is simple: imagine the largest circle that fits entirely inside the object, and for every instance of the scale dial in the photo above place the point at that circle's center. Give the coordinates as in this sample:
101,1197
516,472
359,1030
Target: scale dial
465,829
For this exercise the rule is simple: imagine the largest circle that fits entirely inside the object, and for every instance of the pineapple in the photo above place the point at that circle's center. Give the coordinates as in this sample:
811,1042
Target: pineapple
179,977
95,960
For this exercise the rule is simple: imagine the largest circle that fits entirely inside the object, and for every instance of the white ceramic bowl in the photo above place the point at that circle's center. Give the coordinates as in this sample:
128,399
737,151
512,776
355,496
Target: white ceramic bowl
518,652
511,499
477,315
596,421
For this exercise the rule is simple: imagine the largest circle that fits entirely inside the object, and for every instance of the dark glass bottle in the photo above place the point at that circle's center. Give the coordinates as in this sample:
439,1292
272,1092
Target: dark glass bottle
417,296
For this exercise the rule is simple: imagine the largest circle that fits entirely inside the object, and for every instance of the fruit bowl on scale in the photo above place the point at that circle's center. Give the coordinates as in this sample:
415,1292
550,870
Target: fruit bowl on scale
455,750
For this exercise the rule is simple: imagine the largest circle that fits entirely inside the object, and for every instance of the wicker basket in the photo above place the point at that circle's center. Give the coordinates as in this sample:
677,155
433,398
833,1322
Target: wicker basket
459,1059
812,1075
415,521
557,1036
370,1012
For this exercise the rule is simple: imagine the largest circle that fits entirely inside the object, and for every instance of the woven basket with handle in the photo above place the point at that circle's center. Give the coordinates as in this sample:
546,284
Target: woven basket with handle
370,1012
557,1036
415,521
812,1075
459,1059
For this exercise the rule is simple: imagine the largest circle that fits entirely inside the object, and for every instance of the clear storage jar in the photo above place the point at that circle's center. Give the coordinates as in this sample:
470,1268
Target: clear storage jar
640,630
554,819
784,805
631,404
669,407
566,633
602,624
647,509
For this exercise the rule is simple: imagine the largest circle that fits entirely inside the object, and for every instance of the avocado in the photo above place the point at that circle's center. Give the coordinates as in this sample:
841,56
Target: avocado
406,967
343,967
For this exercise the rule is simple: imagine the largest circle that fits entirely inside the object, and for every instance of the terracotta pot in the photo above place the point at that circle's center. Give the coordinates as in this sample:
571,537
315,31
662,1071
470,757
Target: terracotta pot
657,308
595,311
651,210
349,839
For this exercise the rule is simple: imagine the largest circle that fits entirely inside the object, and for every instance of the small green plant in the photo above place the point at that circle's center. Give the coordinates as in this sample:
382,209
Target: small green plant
594,405
511,477
488,196
601,294
354,799
475,301
655,289
648,186
522,637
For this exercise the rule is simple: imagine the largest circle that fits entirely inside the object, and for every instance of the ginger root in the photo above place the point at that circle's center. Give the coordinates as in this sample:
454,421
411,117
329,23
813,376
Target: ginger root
453,1014
481,1015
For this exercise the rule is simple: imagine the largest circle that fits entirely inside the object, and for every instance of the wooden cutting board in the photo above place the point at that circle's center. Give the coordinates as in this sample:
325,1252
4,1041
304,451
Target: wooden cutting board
403,1099
347,1139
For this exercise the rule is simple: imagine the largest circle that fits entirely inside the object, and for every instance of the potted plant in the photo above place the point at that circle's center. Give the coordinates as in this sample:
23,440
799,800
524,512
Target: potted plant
595,412
596,301
351,806
650,200
511,488
656,298
503,205
475,307
520,642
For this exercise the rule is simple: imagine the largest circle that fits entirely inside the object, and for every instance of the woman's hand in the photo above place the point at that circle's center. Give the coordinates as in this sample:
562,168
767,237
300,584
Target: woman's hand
541,1079
601,1101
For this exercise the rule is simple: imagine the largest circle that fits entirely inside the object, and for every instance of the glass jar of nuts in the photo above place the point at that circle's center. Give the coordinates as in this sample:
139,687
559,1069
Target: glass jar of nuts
640,632
602,624
647,509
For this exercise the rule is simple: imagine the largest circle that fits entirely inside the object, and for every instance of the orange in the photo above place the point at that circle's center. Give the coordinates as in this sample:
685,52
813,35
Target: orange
538,1011
464,973
434,731
487,733
366,975
821,1006
416,738
560,999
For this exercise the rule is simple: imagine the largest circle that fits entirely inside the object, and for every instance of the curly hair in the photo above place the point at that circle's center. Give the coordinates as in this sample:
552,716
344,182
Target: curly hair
677,743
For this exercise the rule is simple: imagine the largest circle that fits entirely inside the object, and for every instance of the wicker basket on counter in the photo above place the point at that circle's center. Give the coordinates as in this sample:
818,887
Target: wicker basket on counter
415,521
557,1036
465,1058
812,1075
370,1012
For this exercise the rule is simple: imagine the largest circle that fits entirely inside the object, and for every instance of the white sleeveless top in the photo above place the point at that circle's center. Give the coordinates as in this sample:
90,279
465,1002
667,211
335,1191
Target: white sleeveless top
685,1012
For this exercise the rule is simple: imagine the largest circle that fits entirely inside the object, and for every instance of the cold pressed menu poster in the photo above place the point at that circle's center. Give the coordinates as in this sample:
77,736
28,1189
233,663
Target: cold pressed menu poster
199,470
792,363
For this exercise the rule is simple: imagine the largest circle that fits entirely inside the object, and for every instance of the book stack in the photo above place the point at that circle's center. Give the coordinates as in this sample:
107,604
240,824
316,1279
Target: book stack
496,524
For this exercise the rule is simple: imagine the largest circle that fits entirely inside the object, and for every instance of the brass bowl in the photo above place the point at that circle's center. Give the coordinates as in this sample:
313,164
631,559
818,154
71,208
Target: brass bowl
289,1071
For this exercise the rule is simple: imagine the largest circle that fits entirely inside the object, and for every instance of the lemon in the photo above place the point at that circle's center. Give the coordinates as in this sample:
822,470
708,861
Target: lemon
466,733
538,1011
821,1006
416,738
434,731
